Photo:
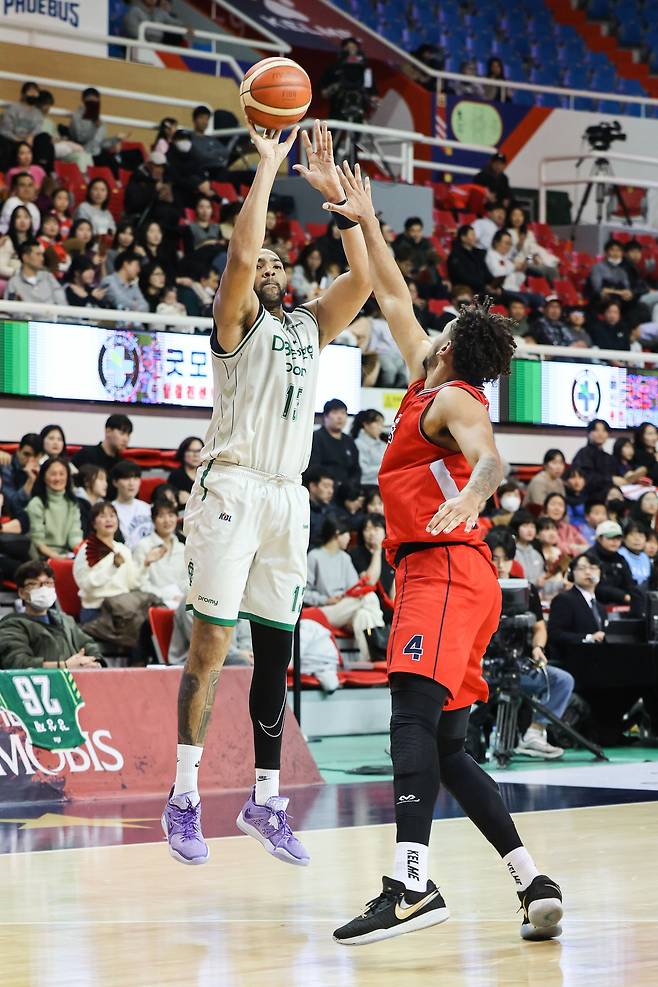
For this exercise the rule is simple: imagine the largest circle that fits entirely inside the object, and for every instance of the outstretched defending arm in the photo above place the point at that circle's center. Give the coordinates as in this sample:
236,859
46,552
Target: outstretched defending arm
341,302
236,304
456,420
389,286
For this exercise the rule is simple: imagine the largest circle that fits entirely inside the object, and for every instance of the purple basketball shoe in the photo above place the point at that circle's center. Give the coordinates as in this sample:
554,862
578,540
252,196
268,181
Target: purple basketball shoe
181,822
269,825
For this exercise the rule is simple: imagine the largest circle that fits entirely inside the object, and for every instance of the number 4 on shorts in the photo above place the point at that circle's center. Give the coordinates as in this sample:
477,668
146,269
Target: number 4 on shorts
414,647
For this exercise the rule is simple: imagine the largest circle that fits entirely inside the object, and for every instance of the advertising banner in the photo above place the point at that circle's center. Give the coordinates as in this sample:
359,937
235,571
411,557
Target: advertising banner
45,702
90,363
74,17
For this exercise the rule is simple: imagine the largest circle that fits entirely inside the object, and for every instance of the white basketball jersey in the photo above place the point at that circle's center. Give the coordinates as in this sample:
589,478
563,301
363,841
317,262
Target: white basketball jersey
264,395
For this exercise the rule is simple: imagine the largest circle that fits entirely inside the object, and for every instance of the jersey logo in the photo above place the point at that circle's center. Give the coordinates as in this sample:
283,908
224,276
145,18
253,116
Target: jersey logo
190,571
225,517
414,647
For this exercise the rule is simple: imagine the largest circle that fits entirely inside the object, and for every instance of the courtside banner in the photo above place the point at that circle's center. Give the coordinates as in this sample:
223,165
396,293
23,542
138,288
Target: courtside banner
92,363
36,18
127,721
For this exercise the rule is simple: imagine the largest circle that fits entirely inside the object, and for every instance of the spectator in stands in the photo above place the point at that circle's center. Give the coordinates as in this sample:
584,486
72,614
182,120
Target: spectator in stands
349,505
92,488
20,475
203,228
393,370
595,514
518,312
466,262
122,287
645,455
332,449
55,525
19,231
150,11
103,567
570,541
145,181
616,586
430,322
86,128
579,336
331,574
170,305
462,87
21,121
548,480
541,262
22,192
81,287
417,247
153,248
616,505
186,171
182,478
509,501
373,503
61,206
506,274
576,617
321,489
31,283
487,227
367,429
15,544
94,208
556,562
124,239
642,294
597,464
42,636
330,245
523,526
109,452
159,558
645,509
610,332
166,130
198,293
307,274
81,240
575,483
493,178
635,540
134,514
608,280
56,258
52,442
24,164
551,329
495,93
626,463
544,678
152,284
209,152
651,549
370,562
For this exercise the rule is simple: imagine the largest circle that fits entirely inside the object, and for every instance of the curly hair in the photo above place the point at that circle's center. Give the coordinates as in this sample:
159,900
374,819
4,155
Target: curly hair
482,343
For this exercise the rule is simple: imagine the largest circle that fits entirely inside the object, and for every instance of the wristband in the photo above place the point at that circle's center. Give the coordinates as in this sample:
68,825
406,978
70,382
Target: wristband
342,222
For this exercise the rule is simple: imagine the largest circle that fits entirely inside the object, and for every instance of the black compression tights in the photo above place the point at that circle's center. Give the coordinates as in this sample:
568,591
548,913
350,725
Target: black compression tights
267,696
427,748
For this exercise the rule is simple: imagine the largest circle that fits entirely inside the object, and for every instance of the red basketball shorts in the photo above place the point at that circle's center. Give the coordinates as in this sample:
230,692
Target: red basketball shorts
447,607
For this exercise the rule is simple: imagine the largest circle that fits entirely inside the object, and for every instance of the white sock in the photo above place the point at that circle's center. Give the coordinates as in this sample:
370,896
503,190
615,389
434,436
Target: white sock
267,785
411,865
522,867
188,759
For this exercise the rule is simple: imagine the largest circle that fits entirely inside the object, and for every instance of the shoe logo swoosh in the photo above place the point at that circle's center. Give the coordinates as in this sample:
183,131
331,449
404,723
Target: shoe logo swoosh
274,729
404,913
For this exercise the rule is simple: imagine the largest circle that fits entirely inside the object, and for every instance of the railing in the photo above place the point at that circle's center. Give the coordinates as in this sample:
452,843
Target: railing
100,315
545,183
277,45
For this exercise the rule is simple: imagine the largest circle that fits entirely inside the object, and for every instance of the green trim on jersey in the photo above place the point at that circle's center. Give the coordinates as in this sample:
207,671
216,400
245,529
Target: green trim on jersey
268,623
259,319
203,477
211,620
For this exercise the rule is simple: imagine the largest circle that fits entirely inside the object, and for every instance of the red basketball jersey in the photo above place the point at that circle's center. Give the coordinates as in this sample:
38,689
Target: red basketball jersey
417,476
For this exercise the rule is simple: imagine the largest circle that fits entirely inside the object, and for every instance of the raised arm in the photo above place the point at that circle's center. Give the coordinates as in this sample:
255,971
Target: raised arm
344,298
236,304
388,283
458,421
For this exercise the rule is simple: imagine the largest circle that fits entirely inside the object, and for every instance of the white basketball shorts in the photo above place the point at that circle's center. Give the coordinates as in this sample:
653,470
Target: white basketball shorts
247,538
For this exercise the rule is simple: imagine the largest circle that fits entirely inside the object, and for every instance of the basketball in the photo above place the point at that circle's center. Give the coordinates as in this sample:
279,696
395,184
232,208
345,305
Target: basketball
275,93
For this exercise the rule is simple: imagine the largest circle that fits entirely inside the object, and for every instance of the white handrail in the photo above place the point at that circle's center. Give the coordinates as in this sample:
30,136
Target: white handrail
215,36
107,117
240,15
153,318
545,183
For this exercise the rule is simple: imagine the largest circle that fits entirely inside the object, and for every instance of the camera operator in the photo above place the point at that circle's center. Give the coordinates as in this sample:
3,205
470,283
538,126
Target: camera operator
543,677
348,84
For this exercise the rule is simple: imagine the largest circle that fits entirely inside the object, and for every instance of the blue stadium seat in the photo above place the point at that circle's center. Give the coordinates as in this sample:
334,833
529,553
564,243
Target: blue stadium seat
631,33
599,10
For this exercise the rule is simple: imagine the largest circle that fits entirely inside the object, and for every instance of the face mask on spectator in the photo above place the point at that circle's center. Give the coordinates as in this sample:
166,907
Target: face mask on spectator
184,146
31,100
615,261
510,502
43,597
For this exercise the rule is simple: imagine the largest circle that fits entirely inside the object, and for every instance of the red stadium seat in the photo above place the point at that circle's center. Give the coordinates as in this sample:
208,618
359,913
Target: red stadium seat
161,620
66,586
72,178
97,171
225,190
569,294
539,285
147,486
438,305
315,230
116,202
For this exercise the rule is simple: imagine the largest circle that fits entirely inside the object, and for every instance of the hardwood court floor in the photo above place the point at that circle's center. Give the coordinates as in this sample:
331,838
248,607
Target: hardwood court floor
130,916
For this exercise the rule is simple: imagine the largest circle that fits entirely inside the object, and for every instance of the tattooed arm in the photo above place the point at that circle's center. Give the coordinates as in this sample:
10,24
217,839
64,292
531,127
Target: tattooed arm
456,420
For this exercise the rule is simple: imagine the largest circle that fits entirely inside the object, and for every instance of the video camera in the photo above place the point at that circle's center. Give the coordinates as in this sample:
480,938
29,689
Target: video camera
351,99
600,136
510,649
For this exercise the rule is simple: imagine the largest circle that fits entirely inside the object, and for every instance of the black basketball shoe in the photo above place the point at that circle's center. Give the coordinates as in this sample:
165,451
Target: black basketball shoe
542,910
394,912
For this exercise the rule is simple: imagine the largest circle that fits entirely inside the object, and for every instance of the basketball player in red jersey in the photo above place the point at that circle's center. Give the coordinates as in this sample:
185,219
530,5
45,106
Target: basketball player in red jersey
440,465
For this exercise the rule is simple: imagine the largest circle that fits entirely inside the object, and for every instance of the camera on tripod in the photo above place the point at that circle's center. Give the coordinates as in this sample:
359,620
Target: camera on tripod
510,649
352,102
600,136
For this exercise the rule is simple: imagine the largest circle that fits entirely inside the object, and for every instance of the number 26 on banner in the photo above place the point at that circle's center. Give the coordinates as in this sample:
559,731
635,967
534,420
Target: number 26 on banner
414,647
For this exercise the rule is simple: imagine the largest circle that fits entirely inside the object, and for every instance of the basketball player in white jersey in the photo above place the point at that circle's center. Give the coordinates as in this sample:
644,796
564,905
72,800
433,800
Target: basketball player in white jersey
247,518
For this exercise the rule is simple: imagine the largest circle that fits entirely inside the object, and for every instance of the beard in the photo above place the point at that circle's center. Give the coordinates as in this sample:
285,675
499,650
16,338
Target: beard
270,295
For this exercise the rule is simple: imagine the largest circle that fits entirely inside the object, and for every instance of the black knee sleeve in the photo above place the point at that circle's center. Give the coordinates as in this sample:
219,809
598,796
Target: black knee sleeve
268,694
416,705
